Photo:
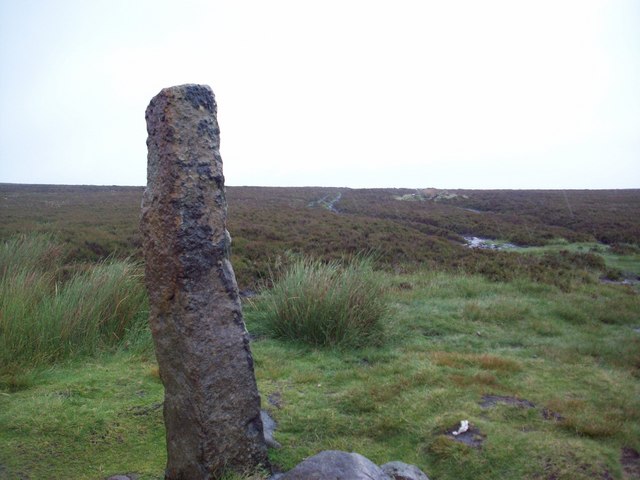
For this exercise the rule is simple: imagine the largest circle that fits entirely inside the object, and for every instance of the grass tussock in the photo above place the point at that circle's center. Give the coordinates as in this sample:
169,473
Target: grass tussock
327,304
50,312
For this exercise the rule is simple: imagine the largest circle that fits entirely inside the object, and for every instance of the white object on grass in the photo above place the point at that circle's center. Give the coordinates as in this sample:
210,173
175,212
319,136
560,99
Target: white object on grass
464,426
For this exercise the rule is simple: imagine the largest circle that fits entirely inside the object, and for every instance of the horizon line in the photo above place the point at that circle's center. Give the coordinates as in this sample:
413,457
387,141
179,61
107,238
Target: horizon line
327,186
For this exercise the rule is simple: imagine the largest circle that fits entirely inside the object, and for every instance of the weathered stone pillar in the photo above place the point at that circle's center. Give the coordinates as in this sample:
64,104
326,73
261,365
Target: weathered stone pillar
211,406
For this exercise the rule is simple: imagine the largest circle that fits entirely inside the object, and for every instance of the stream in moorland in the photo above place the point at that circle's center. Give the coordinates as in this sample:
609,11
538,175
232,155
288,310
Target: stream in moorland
487,243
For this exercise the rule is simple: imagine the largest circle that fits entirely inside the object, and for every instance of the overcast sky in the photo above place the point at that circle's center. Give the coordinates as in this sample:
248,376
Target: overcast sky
356,93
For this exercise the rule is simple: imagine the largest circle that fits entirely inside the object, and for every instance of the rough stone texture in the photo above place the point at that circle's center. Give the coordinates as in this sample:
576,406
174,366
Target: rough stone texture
212,406
269,426
336,465
403,471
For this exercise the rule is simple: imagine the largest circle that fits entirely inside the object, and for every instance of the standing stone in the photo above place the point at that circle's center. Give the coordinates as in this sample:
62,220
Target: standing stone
211,406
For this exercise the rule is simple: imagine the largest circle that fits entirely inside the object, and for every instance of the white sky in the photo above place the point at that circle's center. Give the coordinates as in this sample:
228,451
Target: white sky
357,93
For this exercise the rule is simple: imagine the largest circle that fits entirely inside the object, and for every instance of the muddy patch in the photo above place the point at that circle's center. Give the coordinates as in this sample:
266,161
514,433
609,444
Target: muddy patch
551,415
473,437
630,461
489,401
555,472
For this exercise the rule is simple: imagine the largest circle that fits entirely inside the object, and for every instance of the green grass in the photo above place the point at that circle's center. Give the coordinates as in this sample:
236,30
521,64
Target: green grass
51,311
329,304
626,261
463,338
454,338
85,419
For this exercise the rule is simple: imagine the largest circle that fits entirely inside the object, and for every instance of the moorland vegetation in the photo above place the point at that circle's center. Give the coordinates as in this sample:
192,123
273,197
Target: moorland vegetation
535,341
408,229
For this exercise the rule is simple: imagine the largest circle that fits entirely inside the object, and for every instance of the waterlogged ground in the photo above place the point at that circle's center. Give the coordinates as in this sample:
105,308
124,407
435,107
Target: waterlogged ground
547,379
626,266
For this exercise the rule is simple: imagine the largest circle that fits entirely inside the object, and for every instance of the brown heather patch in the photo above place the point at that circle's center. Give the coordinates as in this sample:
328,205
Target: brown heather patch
387,392
95,222
483,361
566,404
492,362
593,425
447,359
583,418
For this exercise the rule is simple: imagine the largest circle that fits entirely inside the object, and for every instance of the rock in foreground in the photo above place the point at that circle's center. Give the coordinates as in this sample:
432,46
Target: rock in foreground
337,465
403,471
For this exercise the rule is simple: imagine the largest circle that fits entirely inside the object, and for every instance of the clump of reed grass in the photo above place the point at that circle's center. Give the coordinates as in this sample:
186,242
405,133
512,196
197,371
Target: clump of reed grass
327,304
50,311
